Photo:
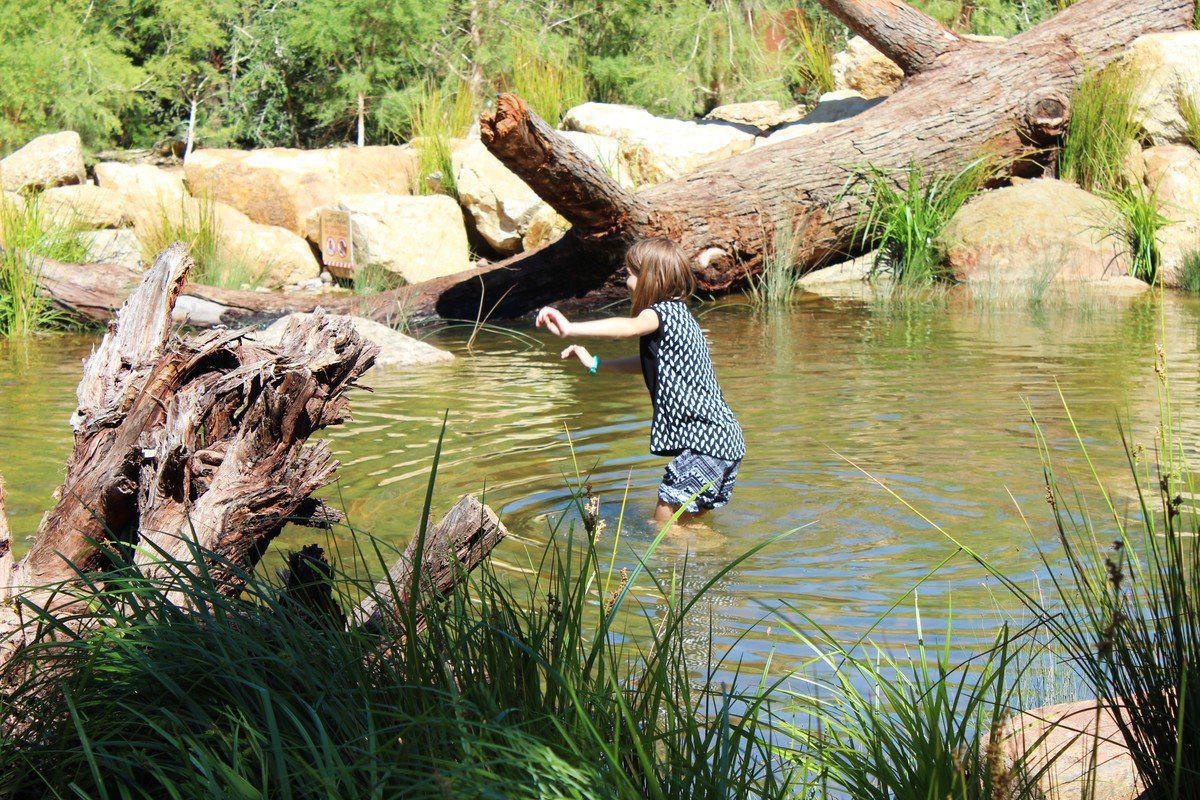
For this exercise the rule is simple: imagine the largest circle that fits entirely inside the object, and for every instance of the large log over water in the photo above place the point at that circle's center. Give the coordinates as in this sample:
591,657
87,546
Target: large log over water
197,443
960,99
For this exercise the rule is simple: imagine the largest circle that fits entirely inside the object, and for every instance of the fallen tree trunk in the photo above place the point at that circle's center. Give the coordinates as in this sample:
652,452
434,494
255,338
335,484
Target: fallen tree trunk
193,448
960,99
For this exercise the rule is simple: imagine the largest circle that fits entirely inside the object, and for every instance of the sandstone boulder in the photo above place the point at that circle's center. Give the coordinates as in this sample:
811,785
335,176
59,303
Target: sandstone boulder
831,107
505,210
659,148
1033,231
414,237
281,186
1167,66
86,205
55,159
395,349
606,151
144,188
756,116
269,255
863,69
1172,172
119,247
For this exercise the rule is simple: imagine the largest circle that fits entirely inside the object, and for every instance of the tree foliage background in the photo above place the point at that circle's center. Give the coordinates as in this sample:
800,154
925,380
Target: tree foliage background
126,73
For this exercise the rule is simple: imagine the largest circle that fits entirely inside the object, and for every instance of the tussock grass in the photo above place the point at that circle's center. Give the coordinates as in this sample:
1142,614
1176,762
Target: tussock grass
775,285
1189,272
1102,129
1137,227
438,115
904,215
27,235
197,224
1189,109
815,44
556,685
548,83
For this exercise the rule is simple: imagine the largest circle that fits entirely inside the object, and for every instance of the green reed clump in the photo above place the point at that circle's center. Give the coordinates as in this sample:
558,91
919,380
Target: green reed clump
1189,109
775,285
1137,226
904,214
197,224
1127,614
27,235
1102,129
912,728
549,82
815,45
548,686
438,114
1189,272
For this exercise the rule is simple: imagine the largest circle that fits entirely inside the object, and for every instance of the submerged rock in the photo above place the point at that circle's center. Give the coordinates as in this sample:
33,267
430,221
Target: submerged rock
281,186
414,237
396,350
87,206
1172,173
1167,69
659,148
55,159
1038,230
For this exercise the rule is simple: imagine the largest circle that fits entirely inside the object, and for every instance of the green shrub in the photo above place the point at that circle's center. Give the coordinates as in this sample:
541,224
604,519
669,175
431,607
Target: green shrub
196,223
27,235
1102,128
904,214
1137,228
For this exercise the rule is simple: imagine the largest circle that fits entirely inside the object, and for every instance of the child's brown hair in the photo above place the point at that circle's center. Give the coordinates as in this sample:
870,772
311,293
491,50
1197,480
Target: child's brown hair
662,272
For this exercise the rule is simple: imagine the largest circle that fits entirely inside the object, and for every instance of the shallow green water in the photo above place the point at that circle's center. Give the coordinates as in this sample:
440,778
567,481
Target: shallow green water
930,398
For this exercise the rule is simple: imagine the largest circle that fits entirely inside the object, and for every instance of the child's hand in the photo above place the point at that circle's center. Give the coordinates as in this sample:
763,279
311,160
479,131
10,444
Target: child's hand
553,319
580,352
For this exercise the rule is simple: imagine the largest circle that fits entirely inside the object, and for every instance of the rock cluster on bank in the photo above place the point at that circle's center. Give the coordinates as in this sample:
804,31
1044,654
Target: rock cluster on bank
265,206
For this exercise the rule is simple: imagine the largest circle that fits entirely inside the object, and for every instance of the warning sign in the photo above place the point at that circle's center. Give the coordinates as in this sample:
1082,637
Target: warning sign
337,245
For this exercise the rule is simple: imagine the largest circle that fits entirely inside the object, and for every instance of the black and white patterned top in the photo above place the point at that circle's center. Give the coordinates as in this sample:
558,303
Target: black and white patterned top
689,410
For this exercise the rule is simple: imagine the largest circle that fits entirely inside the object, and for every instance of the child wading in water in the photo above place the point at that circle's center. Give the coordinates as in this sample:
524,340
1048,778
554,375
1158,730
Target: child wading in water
692,421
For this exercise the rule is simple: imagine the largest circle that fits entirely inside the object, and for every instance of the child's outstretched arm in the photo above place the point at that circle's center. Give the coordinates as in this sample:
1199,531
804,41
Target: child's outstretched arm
608,328
630,365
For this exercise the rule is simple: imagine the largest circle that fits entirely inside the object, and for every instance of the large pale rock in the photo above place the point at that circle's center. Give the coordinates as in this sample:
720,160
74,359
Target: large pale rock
1077,753
757,115
1172,173
414,237
55,159
281,186
272,256
144,188
1034,231
847,280
863,69
86,205
12,200
606,151
119,247
831,107
395,349
507,213
1167,66
659,148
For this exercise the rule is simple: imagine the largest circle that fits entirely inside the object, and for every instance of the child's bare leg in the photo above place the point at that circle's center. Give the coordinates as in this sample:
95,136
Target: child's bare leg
664,511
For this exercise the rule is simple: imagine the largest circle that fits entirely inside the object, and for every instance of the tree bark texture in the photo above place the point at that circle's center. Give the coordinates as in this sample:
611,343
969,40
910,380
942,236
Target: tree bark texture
193,447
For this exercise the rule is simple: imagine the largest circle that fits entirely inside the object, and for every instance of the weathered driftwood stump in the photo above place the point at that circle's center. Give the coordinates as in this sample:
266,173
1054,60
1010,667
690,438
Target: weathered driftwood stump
188,444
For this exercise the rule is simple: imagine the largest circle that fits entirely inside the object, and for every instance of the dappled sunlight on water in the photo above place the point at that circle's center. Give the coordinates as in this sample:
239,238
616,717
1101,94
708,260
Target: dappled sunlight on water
930,399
